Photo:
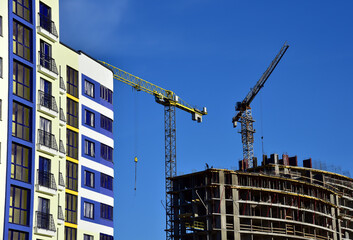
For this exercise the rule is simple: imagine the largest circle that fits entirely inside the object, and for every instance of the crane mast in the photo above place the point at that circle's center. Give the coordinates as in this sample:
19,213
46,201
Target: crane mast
170,101
244,115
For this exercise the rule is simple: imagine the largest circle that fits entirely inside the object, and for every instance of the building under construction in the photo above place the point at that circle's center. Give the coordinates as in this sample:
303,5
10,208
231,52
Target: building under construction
275,201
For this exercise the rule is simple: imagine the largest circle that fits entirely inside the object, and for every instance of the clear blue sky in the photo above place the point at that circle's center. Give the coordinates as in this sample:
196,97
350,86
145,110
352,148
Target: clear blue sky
211,53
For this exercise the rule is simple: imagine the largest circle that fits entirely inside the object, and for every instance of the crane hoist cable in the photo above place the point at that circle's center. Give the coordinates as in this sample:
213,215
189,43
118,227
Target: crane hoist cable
170,101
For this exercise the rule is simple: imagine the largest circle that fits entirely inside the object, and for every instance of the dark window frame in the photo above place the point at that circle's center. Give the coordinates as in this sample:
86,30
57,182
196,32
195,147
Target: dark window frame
87,180
70,233
20,235
17,84
18,42
24,8
107,181
103,236
107,152
87,237
72,112
72,143
71,172
106,123
20,166
16,124
71,208
86,92
91,205
23,210
106,94
72,81
88,118
90,148
106,212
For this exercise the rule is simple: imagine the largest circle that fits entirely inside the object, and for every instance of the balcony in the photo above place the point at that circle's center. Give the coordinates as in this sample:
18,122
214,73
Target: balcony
62,86
47,143
46,182
61,186
44,224
47,104
47,28
61,218
62,119
62,152
47,65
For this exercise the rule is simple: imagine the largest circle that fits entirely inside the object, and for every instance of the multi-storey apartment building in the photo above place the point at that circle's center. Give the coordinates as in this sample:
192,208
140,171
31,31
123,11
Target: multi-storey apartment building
56,140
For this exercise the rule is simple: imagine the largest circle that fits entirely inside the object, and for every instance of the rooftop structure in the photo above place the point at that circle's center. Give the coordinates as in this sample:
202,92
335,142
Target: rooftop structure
276,201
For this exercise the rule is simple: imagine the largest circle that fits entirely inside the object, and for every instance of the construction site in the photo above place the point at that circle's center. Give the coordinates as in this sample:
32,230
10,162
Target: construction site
277,200
274,200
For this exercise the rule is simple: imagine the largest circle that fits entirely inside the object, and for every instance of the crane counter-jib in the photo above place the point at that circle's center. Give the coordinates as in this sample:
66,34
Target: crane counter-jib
162,95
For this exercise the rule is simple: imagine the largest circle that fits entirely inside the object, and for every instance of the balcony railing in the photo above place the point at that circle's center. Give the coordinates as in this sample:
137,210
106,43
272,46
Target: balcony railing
46,179
45,221
61,180
47,24
62,115
62,84
47,62
47,100
60,214
47,139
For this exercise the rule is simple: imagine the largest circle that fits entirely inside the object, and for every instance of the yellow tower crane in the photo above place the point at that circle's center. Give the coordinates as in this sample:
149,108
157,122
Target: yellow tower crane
169,100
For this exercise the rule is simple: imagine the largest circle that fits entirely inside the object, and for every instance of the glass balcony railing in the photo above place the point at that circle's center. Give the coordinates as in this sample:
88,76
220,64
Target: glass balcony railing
61,180
47,139
47,100
47,62
47,24
62,115
62,84
45,221
60,214
46,179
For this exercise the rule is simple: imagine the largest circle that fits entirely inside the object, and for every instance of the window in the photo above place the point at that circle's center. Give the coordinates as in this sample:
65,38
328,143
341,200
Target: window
71,175
89,148
70,233
19,206
22,40
72,144
106,94
87,237
17,235
88,209
0,25
0,65
106,181
0,109
21,121
89,118
72,113
89,179
71,208
89,88
20,162
106,123
45,17
72,81
106,152
105,237
22,8
22,80
106,212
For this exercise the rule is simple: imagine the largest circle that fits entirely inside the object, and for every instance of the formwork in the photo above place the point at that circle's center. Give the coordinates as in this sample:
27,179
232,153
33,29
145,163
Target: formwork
278,200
